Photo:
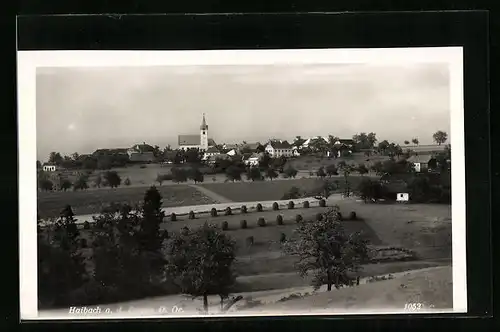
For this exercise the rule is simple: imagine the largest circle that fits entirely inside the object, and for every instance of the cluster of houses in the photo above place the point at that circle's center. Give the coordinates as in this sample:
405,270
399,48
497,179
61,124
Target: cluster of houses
250,152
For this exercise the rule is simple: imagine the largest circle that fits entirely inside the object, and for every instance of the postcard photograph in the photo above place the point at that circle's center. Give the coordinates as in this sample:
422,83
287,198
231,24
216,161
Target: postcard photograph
230,183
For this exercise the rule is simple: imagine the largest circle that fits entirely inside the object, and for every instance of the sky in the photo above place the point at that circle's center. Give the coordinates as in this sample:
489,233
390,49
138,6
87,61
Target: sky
81,109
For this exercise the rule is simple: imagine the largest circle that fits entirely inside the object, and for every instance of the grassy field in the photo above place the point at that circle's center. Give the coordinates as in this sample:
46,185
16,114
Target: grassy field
86,202
313,163
270,190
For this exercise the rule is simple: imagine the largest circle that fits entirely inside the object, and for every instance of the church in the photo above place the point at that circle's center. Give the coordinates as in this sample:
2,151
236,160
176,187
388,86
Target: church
199,141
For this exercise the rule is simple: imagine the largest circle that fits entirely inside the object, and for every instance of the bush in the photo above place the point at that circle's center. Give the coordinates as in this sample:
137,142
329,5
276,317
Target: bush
291,205
173,217
225,226
305,205
261,222
298,218
192,215
339,216
275,206
164,234
352,215
319,216
249,240
228,211
259,207
243,224
213,212
185,230
279,219
244,209
86,225
127,182
142,166
282,237
322,203
83,243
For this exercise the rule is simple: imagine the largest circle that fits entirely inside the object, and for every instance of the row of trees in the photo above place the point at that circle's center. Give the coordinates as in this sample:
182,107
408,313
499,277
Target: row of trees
126,255
47,182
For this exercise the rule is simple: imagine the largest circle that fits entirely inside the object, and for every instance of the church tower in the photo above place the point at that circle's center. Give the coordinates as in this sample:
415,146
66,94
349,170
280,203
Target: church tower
204,134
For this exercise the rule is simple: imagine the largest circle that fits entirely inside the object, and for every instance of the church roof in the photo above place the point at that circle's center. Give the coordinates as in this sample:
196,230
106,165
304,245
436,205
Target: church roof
189,140
280,144
193,140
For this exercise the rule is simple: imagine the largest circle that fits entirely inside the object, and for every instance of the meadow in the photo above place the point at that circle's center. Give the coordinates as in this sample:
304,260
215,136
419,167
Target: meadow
92,201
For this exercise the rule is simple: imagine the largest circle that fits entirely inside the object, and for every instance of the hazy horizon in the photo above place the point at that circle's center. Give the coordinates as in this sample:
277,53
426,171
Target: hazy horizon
83,109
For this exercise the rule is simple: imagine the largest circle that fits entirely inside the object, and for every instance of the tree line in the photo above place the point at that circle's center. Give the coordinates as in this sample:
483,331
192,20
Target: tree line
126,255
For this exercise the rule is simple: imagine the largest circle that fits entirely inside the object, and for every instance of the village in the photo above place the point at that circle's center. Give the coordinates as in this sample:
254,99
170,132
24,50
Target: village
263,195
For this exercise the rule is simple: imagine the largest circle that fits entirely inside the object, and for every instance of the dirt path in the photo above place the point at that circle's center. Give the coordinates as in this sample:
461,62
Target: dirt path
216,197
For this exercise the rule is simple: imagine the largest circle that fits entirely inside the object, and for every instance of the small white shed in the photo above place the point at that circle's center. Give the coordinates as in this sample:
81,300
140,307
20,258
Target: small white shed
402,197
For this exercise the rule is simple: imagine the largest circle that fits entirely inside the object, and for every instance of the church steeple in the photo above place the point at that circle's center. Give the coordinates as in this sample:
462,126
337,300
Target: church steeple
204,123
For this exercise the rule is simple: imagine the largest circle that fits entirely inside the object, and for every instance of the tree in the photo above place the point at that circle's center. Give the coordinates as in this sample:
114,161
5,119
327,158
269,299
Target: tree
38,164
378,168
160,178
324,249
383,146
233,173
415,141
369,190
193,156
371,139
254,174
361,169
298,141
89,163
271,174
331,170
321,172
265,161
290,171
61,267
46,185
200,262
75,156
65,184
98,181
196,175
81,183
178,174
440,137
104,163
112,178
149,237
293,193
346,171
406,142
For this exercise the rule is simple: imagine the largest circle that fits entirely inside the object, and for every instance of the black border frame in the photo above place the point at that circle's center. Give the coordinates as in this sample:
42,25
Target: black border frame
317,30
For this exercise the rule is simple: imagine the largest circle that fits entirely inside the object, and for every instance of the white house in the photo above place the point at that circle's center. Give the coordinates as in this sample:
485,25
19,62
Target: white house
402,197
253,160
47,167
200,141
278,148
295,151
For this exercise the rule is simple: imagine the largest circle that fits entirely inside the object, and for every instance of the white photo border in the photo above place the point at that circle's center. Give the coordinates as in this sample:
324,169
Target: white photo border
29,61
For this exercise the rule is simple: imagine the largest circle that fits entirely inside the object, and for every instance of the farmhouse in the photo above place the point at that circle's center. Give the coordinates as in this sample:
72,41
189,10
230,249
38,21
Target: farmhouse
253,160
49,167
200,141
278,148
310,142
211,151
